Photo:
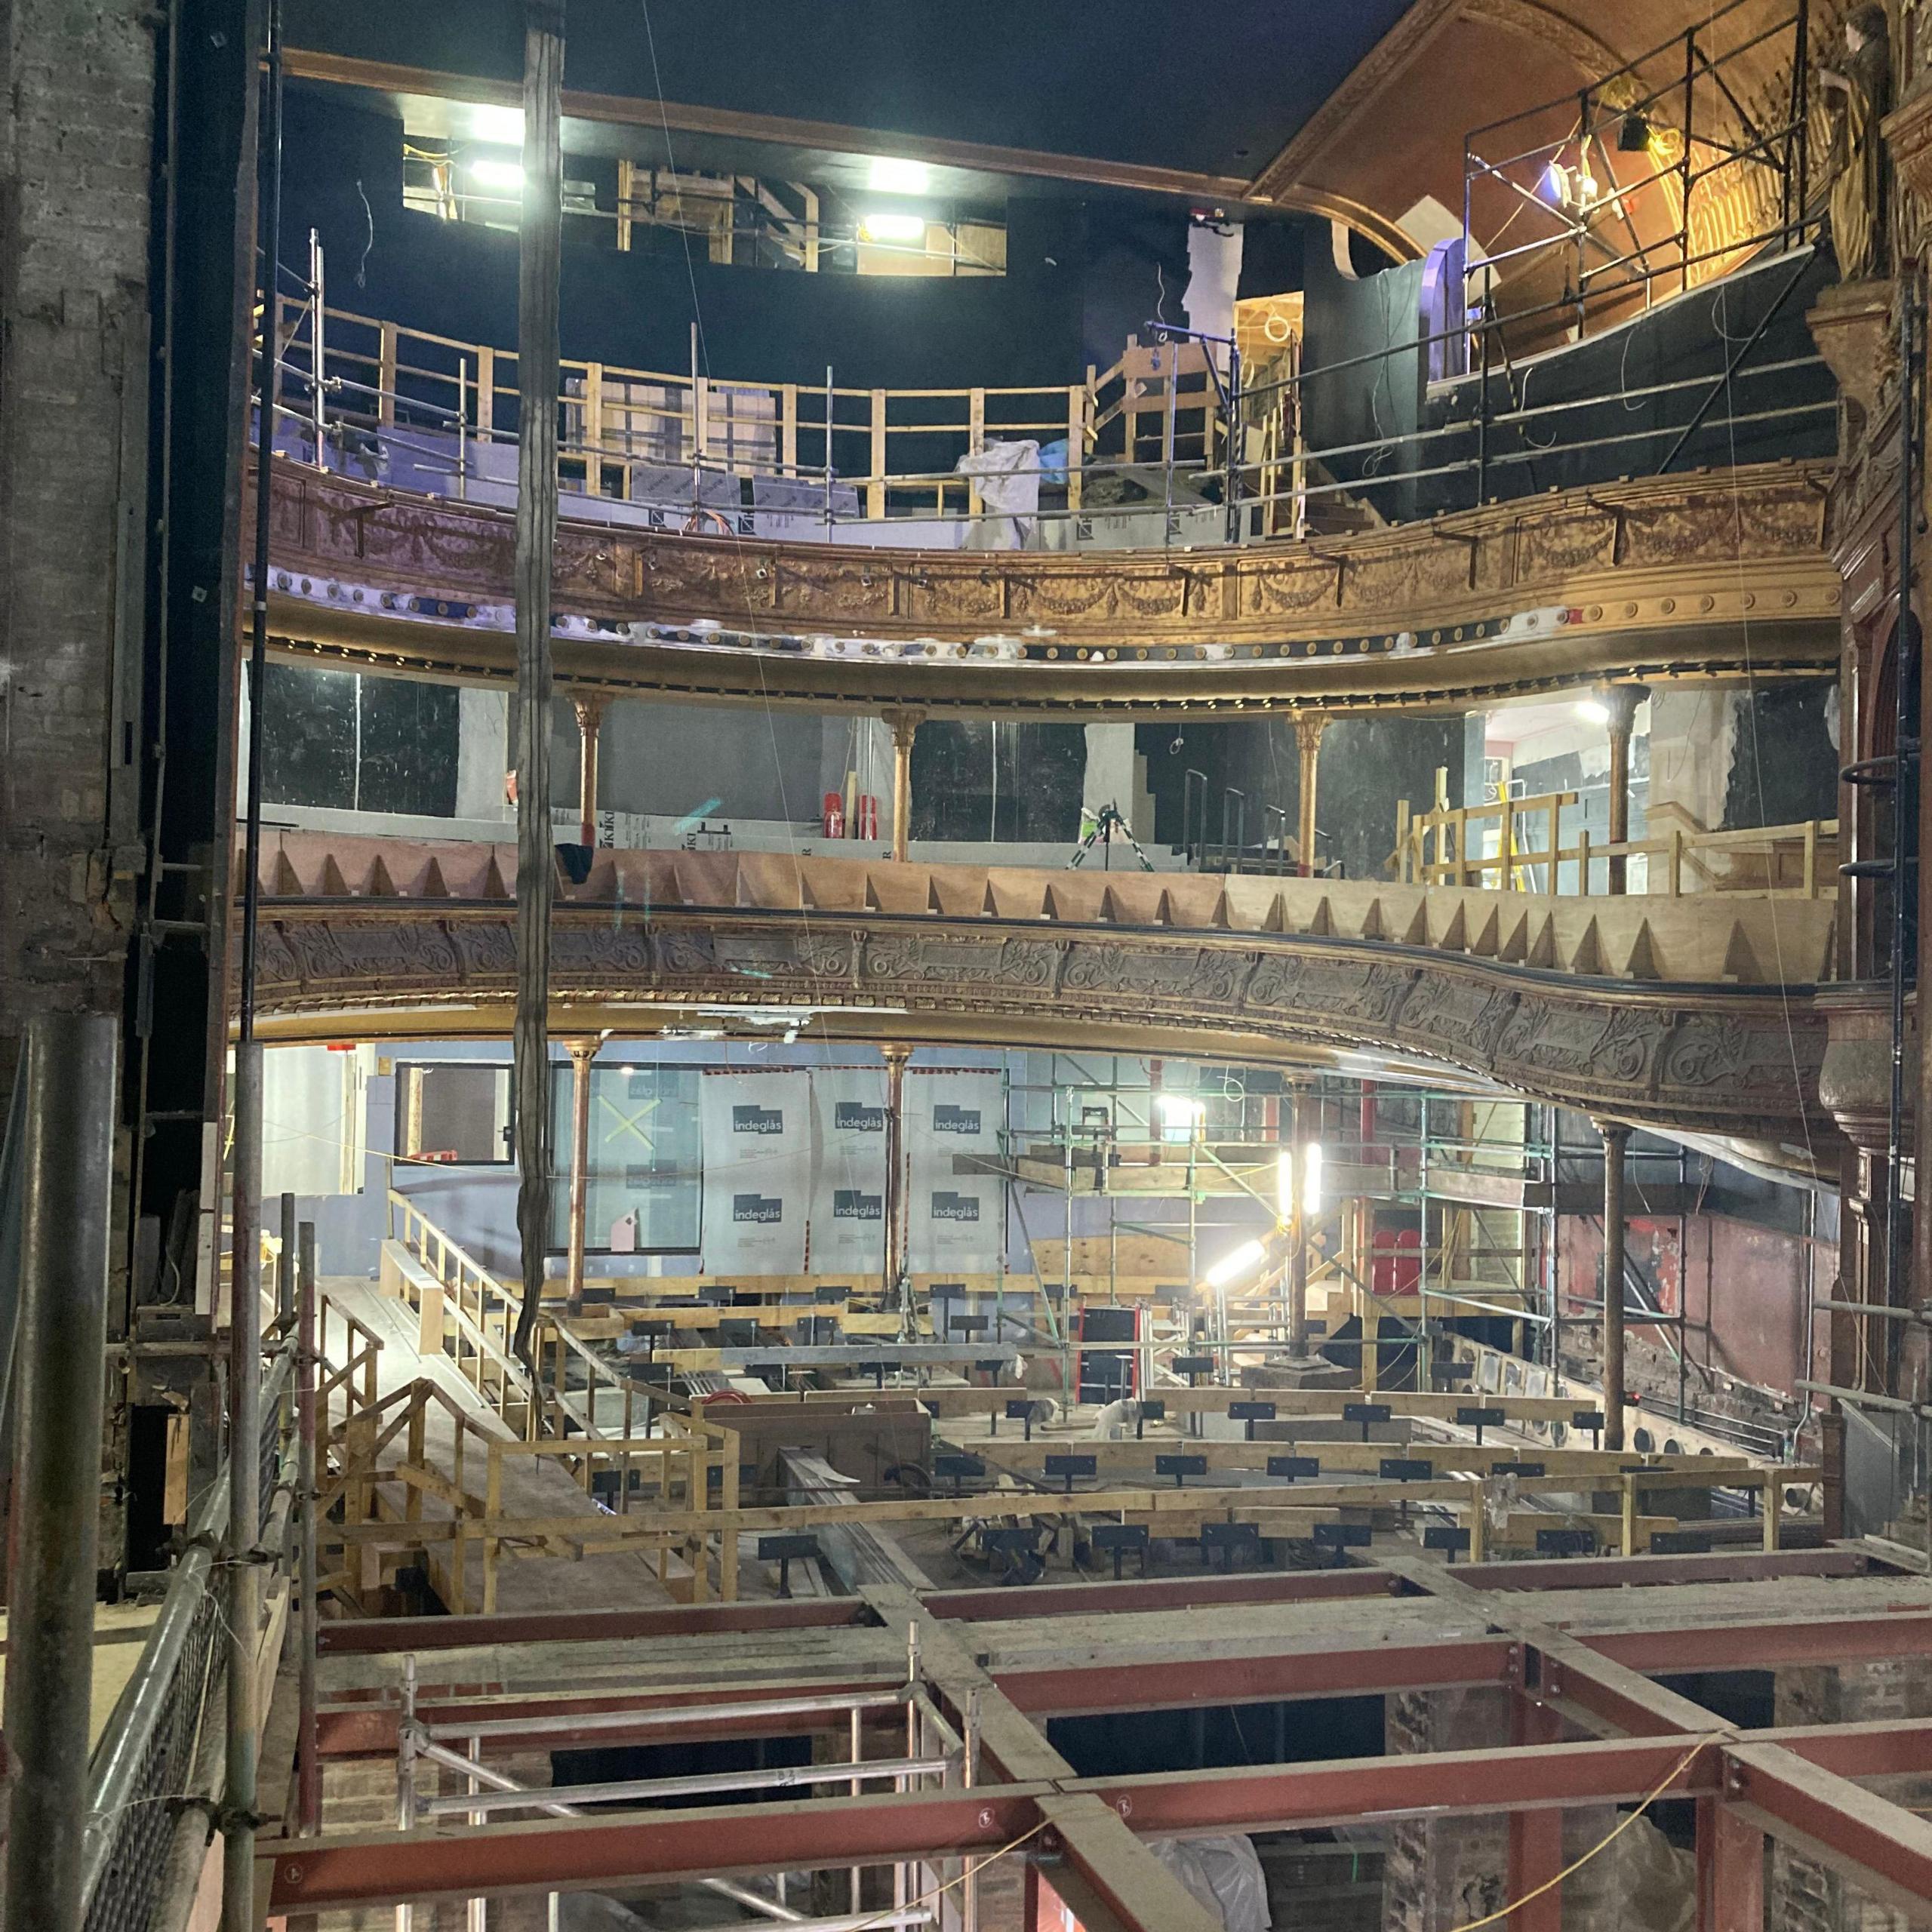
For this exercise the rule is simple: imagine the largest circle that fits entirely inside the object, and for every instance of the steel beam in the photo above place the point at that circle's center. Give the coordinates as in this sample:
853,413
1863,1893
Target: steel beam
1731,1870
1160,1593
371,1730
1883,1848
1108,1877
1367,1670
559,1854
1442,1783
394,1635
1767,1645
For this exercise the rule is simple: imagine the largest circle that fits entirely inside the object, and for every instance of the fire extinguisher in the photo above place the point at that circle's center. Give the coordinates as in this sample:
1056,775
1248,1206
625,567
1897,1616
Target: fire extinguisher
835,816
865,817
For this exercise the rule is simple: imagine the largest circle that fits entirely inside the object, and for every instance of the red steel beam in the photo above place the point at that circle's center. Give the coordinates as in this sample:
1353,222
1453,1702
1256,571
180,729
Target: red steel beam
1161,1593
1882,1848
1764,1646
378,1635
1536,1837
1443,1783
371,1730
324,1873
1364,1670
1598,1573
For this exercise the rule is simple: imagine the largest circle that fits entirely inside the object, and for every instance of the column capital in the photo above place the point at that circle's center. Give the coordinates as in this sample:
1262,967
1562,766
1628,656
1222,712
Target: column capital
1620,702
905,721
589,711
1309,726
1611,1130
583,1048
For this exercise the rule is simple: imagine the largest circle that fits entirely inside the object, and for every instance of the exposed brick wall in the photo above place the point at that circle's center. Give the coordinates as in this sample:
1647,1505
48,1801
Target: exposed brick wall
75,131
1805,1896
1443,1872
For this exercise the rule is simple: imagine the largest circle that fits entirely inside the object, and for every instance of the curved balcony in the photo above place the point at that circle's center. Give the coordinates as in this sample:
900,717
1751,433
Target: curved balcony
1661,1011
1699,577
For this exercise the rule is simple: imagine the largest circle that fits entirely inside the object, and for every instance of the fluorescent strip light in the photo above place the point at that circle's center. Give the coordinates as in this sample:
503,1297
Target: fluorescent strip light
881,225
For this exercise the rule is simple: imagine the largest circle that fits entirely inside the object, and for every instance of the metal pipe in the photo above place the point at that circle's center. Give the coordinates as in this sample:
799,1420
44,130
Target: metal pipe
317,353
406,1753
66,1175
244,1501
645,1790
308,1763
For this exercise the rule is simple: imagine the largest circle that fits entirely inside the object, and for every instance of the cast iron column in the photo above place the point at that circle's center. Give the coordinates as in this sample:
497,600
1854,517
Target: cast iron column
582,1052
590,729
894,1257
1309,726
59,1365
1621,702
905,727
1615,1141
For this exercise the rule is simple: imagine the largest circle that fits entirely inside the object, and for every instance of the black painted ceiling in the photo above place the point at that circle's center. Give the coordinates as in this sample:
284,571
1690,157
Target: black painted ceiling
1213,86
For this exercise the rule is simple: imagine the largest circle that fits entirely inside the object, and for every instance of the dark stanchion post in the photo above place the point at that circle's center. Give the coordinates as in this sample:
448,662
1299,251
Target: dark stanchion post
284,1271
65,1177
245,1359
539,244
1615,1141
309,1771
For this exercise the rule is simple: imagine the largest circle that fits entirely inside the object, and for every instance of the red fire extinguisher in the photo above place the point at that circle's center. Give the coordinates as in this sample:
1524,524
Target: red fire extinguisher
865,817
835,816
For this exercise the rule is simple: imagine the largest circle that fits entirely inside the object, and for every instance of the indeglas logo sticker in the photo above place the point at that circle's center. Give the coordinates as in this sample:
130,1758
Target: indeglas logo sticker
852,1204
951,1207
948,1118
855,1117
763,1210
758,1120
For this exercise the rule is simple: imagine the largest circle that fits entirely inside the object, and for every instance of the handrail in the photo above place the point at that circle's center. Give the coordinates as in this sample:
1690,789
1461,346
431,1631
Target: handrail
1812,841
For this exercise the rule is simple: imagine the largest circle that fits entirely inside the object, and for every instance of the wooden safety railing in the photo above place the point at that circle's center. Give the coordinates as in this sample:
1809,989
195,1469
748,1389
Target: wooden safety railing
617,422
462,1304
1517,845
388,1498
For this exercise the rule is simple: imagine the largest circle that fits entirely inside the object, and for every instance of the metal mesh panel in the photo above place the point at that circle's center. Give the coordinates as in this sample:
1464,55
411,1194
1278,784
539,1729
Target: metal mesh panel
142,1824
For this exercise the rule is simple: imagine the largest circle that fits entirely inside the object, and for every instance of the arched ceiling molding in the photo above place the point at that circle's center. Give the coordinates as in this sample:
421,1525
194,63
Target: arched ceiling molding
1285,175
1548,28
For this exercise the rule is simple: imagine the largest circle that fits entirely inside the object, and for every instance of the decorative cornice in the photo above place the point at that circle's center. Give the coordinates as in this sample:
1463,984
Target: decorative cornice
648,936
1548,28
1547,592
1390,57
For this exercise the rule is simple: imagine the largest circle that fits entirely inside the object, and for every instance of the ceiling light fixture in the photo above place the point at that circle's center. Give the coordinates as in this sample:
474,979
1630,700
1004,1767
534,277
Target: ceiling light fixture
881,225
892,177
